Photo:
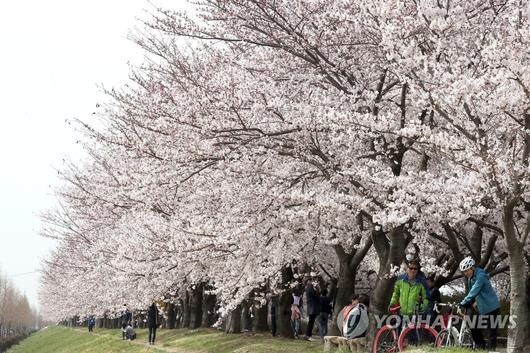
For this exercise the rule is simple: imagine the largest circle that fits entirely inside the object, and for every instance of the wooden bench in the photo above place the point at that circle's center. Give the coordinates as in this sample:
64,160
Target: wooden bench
354,345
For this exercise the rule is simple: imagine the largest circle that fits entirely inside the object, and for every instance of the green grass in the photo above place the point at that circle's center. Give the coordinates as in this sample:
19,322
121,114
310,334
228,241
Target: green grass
65,340
212,341
442,350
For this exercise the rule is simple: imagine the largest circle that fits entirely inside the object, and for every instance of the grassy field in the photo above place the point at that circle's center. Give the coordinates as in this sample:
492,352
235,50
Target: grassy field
65,340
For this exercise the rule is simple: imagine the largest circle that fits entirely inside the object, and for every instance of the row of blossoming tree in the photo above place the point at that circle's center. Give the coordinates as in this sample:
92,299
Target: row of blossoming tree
261,140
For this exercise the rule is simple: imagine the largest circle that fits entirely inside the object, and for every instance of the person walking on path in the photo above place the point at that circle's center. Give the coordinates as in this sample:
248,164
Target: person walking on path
152,322
91,324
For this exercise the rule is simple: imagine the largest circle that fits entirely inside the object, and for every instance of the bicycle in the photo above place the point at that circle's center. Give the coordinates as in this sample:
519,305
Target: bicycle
449,336
387,339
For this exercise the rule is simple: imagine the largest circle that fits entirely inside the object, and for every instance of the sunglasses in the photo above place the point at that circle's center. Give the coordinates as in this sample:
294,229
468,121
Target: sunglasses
413,268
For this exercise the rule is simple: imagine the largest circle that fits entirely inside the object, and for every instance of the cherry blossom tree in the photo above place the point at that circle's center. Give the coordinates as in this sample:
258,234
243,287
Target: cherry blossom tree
468,63
288,131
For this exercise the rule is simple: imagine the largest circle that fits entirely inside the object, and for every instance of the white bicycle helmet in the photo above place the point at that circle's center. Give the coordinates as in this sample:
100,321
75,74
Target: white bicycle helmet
466,264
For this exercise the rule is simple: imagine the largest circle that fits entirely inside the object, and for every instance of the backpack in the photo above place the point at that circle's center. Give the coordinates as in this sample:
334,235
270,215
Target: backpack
356,322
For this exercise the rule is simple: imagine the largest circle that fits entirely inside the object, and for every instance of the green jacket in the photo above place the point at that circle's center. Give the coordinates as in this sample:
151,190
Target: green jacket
408,294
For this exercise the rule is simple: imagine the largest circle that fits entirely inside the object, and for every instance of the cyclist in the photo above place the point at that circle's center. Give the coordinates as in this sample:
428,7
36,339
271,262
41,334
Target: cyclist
420,276
410,293
481,292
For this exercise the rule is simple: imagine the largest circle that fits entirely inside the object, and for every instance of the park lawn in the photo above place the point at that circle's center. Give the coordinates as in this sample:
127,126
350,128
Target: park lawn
65,340
213,341
444,350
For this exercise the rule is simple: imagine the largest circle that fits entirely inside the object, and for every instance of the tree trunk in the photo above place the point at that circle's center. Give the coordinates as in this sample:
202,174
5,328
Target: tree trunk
259,323
527,305
171,316
196,307
390,249
348,265
186,310
475,242
283,315
208,309
140,323
233,321
345,290
246,318
179,311
518,308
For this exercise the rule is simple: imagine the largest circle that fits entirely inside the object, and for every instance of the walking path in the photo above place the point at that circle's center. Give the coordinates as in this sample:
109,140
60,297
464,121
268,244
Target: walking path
145,344
159,347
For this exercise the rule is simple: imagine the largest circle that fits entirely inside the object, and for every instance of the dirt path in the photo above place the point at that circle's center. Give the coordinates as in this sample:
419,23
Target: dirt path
145,344
159,347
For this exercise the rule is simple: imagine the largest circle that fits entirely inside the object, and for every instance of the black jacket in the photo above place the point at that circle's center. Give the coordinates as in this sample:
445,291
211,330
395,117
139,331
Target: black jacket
152,316
435,297
313,300
325,304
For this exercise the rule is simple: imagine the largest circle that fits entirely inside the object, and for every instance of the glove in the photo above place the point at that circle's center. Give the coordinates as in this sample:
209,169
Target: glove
460,310
466,305
393,309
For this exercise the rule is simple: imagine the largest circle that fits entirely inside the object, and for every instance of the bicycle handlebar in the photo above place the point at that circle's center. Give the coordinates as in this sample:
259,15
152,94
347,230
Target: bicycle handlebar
453,305
438,305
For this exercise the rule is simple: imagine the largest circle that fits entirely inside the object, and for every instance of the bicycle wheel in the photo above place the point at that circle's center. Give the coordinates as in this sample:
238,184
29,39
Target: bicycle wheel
417,336
467,340
445,339
385,340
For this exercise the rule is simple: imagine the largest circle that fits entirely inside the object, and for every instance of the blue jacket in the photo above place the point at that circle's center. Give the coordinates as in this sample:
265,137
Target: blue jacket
481,290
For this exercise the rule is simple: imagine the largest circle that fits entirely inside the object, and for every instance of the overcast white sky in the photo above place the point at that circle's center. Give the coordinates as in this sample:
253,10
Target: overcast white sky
54,53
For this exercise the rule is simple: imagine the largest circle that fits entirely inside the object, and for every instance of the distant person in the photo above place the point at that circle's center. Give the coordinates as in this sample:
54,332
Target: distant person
130,334
298,293
355,317
296,310
296,319
123,332
91,324
313,308
126,315
325,313
434,298
152,322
